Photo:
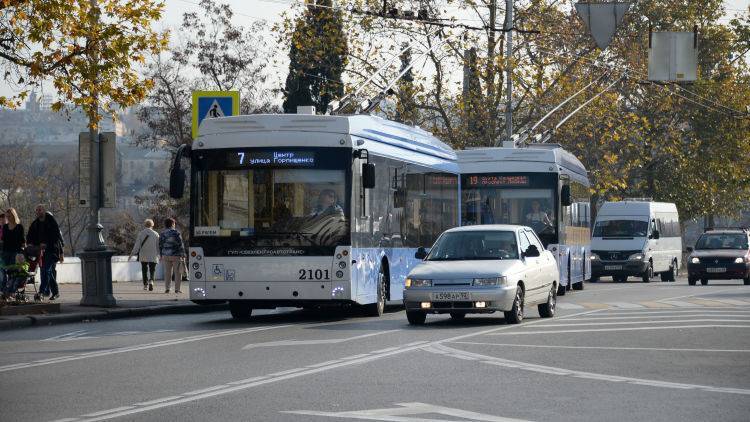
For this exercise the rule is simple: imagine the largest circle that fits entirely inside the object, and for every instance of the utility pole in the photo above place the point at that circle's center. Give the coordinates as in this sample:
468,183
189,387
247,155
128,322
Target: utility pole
96,261
508,69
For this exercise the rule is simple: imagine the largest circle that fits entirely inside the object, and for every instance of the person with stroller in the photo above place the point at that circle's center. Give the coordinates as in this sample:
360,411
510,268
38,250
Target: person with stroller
172,254
16,275
44,236
146,248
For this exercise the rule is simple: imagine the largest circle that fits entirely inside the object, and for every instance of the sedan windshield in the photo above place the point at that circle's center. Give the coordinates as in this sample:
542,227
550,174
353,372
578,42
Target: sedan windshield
722,241
474,245
621,228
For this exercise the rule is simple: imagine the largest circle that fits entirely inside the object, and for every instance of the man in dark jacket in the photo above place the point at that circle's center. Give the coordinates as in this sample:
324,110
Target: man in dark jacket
45,234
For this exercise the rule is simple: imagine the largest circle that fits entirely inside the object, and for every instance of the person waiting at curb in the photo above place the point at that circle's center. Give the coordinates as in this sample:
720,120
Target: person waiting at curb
172,251
146,248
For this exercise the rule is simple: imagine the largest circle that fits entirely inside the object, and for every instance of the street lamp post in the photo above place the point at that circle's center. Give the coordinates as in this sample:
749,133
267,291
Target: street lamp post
96,260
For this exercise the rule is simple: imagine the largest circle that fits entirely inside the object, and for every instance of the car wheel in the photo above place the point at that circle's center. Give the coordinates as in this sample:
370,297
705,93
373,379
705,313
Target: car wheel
649,274
746,281
515,315
376,309
547,310
691,281
593,279
561,290
240,310
578,286
458,315
416,317
704,281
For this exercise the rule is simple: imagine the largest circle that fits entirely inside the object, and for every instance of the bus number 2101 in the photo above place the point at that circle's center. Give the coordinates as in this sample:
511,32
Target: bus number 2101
314,275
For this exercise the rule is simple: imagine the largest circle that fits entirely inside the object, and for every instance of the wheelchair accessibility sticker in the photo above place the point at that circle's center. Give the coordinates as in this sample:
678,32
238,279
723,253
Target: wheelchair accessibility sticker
229,275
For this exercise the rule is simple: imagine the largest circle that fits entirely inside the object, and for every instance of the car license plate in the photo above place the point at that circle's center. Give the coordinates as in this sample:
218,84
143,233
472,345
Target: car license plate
450,296
716,270
612,267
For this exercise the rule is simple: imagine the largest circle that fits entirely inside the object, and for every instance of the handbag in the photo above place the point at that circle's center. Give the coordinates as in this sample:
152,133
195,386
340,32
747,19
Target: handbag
141,247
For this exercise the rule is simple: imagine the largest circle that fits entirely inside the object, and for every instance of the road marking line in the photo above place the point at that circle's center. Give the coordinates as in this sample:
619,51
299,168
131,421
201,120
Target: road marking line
313,342
736,288
590,305
624,305
569,306
547,346
681,304
679,321
681,315
590,375
308,370
674,311
594,330
655,305
104,412
409,412
732,302
125,349
161,400
709,303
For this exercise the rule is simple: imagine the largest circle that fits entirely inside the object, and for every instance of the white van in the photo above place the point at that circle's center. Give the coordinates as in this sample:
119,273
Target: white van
636,238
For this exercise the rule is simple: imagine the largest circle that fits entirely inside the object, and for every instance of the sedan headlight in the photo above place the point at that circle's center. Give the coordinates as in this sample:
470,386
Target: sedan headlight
491,281
636,257
417,282
695,260
740,260
594,257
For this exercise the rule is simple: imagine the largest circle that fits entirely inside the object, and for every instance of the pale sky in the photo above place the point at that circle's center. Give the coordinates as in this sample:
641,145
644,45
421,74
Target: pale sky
271,10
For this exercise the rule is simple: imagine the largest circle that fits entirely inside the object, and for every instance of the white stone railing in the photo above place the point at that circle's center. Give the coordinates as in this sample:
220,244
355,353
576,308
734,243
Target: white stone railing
122,270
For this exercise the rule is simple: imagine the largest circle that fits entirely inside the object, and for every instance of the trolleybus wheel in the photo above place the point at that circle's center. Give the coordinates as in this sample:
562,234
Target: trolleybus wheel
376,309
240,309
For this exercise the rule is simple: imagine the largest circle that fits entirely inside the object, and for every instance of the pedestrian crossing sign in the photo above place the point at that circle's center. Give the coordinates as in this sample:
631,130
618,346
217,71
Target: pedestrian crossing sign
211,104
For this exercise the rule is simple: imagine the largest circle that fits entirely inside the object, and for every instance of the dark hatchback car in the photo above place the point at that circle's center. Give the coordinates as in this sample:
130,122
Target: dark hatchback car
720,254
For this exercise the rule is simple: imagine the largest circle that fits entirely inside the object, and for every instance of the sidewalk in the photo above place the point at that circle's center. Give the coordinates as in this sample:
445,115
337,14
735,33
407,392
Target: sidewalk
132,301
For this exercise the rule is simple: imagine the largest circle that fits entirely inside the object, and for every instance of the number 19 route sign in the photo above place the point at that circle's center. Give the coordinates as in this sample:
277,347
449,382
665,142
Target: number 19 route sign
210,104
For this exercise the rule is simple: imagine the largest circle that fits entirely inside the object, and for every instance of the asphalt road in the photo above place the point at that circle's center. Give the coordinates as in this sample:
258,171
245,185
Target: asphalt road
614,352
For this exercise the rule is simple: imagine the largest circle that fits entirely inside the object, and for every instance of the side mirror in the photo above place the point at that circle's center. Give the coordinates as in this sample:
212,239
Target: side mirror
689,249
531,252
565,198
176,183
368,175
421,253
655,234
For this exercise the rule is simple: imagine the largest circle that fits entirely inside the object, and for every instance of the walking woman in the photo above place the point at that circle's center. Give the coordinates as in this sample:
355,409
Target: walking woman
146,248
13,237
172,252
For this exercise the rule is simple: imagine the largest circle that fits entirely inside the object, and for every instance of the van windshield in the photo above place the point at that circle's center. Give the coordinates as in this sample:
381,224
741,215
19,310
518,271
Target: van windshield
621,228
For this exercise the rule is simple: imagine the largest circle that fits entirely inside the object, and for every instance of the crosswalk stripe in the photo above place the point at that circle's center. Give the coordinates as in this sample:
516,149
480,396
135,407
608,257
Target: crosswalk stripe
590,305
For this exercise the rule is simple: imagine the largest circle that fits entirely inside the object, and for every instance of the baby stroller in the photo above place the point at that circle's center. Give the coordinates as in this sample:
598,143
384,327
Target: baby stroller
20,275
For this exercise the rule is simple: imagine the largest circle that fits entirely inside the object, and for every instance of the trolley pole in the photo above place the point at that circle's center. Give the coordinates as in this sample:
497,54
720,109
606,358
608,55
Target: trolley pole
508,69
96,260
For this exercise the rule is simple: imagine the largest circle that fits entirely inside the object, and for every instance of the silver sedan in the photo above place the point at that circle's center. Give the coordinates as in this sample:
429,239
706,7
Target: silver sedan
483,269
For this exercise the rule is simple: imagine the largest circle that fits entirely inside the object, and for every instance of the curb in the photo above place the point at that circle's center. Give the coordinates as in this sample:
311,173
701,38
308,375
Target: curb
43,320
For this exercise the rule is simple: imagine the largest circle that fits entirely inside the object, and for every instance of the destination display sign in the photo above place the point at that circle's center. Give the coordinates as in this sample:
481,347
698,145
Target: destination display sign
273,158
493,180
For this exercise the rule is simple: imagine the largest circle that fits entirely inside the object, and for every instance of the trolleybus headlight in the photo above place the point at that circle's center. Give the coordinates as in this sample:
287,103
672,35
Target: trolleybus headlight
695,260
339,274
492,281
345,252
196,265
342,265
636,257
416,282
198,275
338,256
739,260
